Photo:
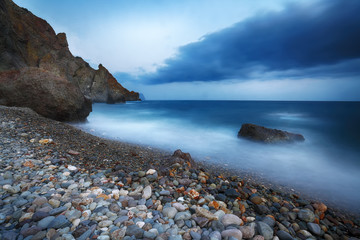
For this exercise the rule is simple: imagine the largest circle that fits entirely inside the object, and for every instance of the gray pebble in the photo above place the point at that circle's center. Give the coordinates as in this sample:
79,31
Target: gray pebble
265,230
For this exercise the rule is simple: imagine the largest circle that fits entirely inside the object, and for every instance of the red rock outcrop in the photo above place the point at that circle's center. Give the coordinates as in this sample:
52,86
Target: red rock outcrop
29,41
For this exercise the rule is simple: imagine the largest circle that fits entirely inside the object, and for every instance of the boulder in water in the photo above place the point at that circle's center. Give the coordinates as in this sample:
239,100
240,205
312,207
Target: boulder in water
267,135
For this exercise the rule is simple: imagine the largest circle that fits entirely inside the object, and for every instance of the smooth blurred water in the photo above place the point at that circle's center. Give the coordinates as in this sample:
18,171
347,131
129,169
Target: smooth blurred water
326,165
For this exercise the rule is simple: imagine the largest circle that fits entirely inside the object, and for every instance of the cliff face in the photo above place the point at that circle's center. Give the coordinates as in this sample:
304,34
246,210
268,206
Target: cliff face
47,94
29,41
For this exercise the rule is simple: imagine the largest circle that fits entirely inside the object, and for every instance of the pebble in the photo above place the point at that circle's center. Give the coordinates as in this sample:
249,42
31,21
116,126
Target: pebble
71,168
170,212
59,222
215,235
202,212
265,230
314,228
11,189
305,234
119,234
149,235
87,233
284,235
39,236
103,237
248,231
232,193
134,230
306,215
147,192
231,219
54,203
150,172
179,207
58,210
269,221
235,233
114,207
165,193
72,214
182,216
105,223
195,235
256,199
44,223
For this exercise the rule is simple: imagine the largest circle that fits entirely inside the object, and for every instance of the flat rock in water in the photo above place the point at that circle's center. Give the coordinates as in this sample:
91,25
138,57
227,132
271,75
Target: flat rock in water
267,135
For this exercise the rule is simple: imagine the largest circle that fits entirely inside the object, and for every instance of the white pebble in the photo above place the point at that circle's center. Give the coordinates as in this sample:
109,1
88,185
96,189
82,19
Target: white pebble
72,168
150,172
140,224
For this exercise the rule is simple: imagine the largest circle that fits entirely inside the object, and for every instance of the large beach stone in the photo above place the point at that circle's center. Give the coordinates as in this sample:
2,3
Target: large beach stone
267,135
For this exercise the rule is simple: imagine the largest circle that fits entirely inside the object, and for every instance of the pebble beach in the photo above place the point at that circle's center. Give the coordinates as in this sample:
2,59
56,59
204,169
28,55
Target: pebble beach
60,183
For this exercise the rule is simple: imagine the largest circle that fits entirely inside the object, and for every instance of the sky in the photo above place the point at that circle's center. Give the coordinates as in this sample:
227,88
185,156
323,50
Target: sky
217,50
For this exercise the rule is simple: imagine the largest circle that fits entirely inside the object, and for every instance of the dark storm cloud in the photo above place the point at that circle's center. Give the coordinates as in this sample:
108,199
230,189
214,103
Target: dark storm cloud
297,39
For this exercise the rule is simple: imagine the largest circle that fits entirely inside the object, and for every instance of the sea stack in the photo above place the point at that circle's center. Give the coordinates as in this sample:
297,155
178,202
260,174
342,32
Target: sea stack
37,70
267,135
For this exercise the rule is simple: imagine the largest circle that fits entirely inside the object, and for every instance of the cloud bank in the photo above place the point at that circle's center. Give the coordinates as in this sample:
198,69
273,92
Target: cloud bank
320,39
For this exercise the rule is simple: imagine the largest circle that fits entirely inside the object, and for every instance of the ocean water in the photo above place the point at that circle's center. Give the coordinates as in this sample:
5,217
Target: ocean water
326,165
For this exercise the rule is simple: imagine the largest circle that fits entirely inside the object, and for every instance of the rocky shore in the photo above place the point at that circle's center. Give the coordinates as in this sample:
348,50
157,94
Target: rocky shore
57,182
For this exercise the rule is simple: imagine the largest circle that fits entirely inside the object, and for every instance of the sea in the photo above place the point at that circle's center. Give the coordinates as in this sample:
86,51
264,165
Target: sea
325,166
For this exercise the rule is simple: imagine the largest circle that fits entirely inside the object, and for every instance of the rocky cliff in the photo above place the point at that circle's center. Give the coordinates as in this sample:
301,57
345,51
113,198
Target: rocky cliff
28,41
